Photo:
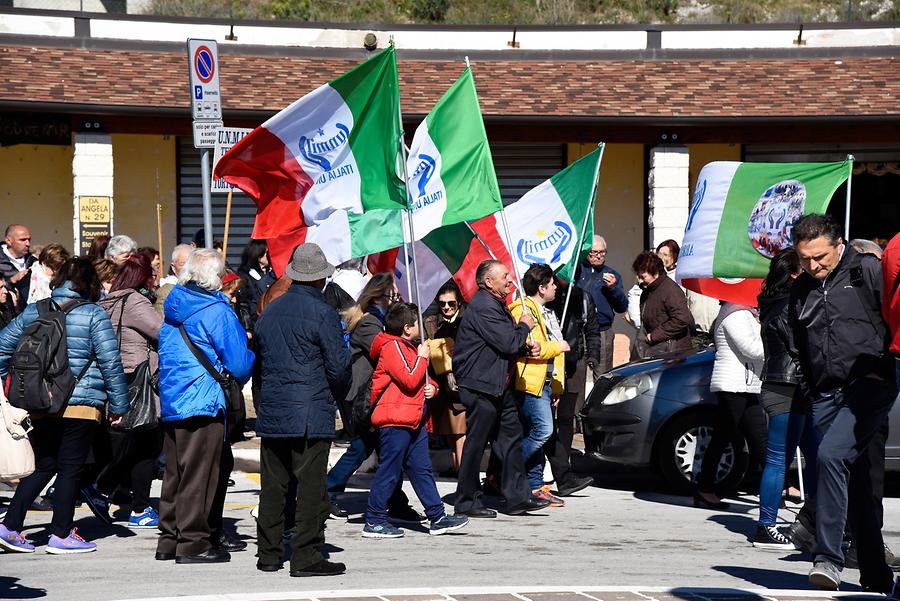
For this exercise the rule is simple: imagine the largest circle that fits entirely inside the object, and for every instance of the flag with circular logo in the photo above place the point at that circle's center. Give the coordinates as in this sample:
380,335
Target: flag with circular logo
741,216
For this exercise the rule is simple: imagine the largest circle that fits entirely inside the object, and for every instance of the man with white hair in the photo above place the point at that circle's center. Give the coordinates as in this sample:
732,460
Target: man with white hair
200,344
179,257
604,285
120,248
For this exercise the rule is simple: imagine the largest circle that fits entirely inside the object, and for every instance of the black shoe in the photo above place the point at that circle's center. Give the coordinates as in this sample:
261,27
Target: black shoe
164,556
478,512
771,538
98,503
704,504
323,568
406,516
227,541
41,504
529,504
802,538
336,513
268,567
491,487
211,555
573,485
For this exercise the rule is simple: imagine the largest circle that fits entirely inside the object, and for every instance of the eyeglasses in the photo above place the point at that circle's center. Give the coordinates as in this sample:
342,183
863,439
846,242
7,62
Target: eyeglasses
393,296
597,252
447,303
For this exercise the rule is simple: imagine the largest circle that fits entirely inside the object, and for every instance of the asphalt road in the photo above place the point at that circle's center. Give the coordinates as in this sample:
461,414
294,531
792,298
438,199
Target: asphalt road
620,533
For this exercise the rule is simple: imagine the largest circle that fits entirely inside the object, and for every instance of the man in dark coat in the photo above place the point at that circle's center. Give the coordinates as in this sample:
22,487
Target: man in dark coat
835,313
487,340
604,285
16,261
300,340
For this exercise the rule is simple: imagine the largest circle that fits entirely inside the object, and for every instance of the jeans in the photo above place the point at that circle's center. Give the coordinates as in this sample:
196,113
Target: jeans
786,431
537,422
403,450
849,419
361,446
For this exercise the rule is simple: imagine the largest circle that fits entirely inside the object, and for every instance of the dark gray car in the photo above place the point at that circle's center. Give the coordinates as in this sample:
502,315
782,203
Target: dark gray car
659,412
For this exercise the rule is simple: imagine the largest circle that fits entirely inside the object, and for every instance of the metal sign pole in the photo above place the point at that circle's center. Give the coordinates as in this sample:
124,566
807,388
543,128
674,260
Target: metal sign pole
207,199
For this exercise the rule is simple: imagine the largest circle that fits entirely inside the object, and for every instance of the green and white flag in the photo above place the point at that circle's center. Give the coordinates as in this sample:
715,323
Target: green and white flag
545,224
450,170
742,214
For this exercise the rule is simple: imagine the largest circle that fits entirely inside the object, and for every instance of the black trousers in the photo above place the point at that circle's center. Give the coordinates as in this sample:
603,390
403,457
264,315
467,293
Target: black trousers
133,465
307,460
735,412
191,485
849,420
496,419
60,447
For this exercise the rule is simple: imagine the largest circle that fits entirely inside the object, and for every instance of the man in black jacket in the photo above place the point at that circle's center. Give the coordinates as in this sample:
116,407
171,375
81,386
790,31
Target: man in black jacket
300,340
16,261
835,313
487,340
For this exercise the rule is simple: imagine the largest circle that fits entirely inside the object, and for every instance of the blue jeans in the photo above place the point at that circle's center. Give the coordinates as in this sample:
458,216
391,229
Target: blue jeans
403,450
537,421
786,431
346,466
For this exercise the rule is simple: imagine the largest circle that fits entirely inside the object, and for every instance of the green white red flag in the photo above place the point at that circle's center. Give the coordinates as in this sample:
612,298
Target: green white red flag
741,215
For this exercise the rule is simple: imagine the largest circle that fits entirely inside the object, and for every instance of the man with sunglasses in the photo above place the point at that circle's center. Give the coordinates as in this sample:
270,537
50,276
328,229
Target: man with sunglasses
16,261
604,285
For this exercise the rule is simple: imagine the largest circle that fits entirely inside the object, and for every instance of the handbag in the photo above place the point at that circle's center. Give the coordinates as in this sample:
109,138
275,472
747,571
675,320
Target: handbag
142,389
16,454
234,392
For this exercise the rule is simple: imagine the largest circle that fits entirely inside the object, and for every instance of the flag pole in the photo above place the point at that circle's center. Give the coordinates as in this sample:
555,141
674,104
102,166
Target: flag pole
477,237
412,231
850,158
406,256
588,214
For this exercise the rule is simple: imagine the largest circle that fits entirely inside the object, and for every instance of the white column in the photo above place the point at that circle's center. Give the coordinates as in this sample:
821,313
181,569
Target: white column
92,173
669,193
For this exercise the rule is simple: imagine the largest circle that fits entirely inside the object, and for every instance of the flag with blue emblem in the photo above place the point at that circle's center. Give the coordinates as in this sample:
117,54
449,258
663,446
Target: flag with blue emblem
545,224
450,172
334,154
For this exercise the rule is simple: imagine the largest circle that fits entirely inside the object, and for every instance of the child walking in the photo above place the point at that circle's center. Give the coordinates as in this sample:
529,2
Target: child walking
400,387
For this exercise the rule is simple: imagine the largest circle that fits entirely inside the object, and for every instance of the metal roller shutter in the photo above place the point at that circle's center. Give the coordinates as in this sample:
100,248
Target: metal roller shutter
519,167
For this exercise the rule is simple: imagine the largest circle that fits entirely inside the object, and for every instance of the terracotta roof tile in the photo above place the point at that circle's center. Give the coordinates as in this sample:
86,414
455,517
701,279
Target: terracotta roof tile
560,88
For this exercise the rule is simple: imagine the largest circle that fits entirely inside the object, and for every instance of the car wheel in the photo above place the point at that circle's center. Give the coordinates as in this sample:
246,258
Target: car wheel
679,454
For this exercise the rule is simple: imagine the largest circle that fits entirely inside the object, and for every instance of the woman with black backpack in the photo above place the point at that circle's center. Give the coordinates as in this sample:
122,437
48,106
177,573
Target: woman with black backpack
61,439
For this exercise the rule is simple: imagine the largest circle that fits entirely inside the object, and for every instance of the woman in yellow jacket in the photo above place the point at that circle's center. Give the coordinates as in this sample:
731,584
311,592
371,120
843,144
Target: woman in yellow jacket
539,380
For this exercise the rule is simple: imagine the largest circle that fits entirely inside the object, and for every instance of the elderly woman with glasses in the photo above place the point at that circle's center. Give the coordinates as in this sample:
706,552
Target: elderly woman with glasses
448,415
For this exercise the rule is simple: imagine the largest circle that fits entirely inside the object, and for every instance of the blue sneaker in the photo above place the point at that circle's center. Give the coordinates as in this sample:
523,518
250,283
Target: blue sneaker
381,531
447,523
146,519
69,545
13,541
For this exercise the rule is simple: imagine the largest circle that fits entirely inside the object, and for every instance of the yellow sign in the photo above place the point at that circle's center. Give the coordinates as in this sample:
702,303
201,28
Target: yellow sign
93,209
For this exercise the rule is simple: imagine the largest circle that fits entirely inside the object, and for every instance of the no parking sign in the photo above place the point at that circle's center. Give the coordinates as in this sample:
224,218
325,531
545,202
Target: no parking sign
206,101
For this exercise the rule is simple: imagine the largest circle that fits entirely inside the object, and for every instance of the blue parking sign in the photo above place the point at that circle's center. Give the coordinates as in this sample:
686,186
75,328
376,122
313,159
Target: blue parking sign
198,92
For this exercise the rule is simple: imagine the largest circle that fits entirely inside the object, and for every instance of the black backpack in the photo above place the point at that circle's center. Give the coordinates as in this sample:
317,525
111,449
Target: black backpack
40,380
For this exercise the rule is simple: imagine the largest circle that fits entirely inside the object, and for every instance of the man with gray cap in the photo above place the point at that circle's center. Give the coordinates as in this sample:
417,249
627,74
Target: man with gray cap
300,340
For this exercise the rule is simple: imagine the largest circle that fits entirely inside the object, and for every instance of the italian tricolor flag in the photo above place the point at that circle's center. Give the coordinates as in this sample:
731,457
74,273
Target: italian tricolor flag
741,215
336,150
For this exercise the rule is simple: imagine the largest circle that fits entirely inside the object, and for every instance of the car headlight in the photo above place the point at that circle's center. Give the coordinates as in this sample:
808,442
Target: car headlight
628,389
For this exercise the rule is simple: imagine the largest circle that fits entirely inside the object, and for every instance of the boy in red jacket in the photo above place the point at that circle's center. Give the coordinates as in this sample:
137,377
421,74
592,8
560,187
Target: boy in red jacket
400,386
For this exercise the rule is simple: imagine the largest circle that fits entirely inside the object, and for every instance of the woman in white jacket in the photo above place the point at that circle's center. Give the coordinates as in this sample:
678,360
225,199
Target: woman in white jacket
735,381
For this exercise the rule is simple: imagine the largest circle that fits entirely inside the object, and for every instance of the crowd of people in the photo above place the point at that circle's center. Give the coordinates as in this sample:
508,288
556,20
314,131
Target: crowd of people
811,365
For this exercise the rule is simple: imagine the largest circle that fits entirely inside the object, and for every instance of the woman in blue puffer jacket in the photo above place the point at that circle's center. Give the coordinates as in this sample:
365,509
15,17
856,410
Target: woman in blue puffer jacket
192,408
61,442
